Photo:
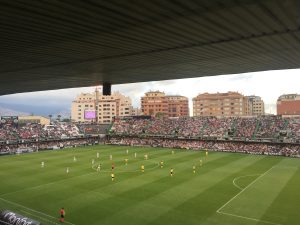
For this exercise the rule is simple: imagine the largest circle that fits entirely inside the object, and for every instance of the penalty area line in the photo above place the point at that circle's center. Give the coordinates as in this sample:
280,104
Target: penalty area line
242,190
237,178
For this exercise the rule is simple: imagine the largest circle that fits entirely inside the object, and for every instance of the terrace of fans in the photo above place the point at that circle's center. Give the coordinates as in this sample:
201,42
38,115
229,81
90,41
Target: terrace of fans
272,135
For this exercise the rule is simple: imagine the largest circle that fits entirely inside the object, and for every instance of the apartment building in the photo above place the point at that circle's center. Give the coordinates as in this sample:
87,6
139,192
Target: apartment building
95,107
288,104
257,105
221,104
156,102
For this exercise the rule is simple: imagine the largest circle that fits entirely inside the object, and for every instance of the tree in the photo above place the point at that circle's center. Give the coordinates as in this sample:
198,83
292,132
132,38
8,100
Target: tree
58,117
160,115
50,116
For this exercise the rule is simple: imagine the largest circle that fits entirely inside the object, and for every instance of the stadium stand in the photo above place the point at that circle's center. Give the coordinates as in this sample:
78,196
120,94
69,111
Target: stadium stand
240,128
271,135
34,137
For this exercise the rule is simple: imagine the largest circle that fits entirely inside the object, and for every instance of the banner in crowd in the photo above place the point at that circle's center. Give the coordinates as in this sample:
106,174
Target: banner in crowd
10,218
9,120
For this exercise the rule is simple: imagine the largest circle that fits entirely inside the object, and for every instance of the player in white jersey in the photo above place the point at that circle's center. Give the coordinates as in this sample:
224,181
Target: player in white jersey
67,171
74,159
110,157
42,164
135,155
97,155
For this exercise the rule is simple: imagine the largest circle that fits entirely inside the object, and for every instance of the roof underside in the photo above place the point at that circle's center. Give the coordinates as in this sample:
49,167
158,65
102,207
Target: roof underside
62,44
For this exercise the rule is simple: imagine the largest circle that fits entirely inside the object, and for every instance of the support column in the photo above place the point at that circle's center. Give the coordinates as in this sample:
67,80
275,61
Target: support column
106,90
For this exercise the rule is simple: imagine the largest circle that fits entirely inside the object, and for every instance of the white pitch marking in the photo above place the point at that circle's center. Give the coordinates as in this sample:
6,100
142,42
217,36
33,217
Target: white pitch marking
17,204
249,218
235,179
244,217
41,218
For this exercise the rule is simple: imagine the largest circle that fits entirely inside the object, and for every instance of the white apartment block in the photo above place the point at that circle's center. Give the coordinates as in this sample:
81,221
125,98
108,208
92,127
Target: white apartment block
95,107
257,105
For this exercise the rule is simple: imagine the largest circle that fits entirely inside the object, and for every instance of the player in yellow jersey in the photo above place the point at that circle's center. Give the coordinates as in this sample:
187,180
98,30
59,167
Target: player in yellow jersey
171,172
194,169
206,153
112,176
200,161
126,161
143,168
161,164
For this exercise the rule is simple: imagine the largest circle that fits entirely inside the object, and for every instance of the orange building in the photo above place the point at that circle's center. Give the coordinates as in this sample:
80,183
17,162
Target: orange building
288,104
178,106
156,102
221,104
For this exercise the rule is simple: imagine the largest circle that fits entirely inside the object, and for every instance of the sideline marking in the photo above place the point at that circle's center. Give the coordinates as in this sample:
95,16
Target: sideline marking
244,217
237,178
32,210
41,218
249,218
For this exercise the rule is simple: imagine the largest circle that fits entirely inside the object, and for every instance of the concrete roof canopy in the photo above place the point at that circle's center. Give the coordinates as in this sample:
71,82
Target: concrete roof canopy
62,44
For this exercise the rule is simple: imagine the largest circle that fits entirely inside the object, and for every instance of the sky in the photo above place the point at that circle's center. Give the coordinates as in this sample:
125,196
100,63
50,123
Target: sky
268,84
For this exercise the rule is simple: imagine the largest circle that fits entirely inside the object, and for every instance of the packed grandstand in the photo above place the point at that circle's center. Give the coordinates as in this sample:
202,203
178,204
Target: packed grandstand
271,135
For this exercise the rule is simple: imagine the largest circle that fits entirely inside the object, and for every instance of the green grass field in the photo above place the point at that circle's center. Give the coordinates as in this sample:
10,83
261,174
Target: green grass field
228,189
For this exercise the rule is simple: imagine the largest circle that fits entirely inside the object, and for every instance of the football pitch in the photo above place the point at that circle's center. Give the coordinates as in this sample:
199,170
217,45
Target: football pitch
228,189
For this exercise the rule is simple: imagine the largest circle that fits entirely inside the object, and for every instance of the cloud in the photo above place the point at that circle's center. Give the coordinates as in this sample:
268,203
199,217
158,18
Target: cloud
268,84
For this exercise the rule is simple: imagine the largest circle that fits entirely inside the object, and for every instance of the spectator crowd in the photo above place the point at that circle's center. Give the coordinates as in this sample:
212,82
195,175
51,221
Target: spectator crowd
239,128
283,149
33,137
271,135
48,145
